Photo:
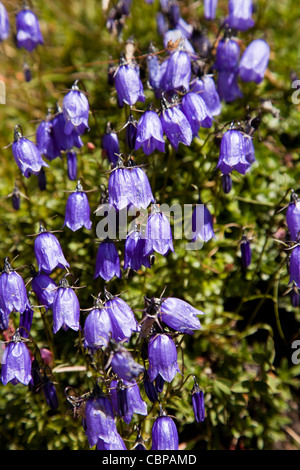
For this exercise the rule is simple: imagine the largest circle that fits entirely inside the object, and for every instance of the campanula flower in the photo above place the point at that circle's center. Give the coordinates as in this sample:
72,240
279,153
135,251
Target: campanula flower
13,294
121,187
131,132
116,443
143,191
107,261
134,403
66,308
153,68
228,87
77,212
76,111
48,252
122,318
196,112
162,356
26,155
124,366
25,322
110,144
134,257
64,141
240,14
227,55
150,389
202,223
45,140
295,266
72,164
254,61
50,394
233,153
293,217
29,34
44,288
175,125
150,133
206,88
128,84
4,23
226,183
180,315
245,251
178,71
158,233
198,403
210,7
164,434
249,149
16,362
97,327
176,34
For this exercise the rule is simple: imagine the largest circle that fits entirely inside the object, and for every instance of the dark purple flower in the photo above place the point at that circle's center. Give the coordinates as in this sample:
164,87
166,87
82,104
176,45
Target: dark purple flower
134,402
99,419
48,252
233,153
198,403
176,126
26,321
150,133
64,141
164,434
295,266
293,217
29,34
180,315
226,183
295,297
44,288
196,111
77,213
128,85
227,55
210,7
66,308
131,132
124,366
107,261
122,318
240,14
4,23
26,155
158,233
254,61
72,165
45,140
50,394
16,362
202,224
162,355
206,88
42,179
159,383
110,144
134,257
13,295
245,251
97,327
227,86
76,111
116,443
178,71
16,198
249,149
150,388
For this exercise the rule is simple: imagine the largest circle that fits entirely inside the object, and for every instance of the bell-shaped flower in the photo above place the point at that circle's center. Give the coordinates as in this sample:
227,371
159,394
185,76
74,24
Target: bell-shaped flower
64,141
134,257
233,153
50,394
107,261
44,288
143,191
77,212
76,111
293,217
16,362
198,403
124,365
196,111
164,434
110,144
202,223
246,254
45,140
180,315
48,252
206,88
176,126
128,84
228,87
123,321
25,322
72,165
240,14
295,266
210,7
13,294
26,155
150,133
227,55
4,23
121,187
178,71
29,35
66,308
162,356
97,327
158,233
134,401
254,61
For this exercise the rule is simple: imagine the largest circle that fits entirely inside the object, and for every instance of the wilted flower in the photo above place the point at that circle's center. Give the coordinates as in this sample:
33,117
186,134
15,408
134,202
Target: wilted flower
164,434
128,84
66,308
48,252
175,125
26,154
254,61
4,23
77,213
293,217
240,14
76,111
233,153
13,295
29,34
133,400
16,362
198,403
158,233
150,133
107,261
162,355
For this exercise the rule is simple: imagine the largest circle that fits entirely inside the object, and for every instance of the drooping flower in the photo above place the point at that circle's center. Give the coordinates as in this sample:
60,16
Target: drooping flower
249,149
16,362
227,55
143,191
26,321
158,233
97,327
162,355
210,7
180,315
153,67
240,14
164,434
245,251
178,71
131,132
29,34
110,144
116,443
228,87
26,154
121,187
4,23
226,183
124,366
50,394
76,111
72,164
134,402
13,294
233,153
128,84
122,318
202,223
254,61
293,217
64,141
196,112
107,261
44,288
48,252
66,308
45,140
150,133
175,125
206,88
150,389
295,266
198,403
77,213
134,257
176,35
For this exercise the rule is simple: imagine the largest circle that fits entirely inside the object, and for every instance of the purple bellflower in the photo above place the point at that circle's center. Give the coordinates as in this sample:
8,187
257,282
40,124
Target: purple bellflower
64,141
162,355
44,288
164,433
72,165
293,217
153,67
16,362
110,144
26,154
97,327
227,55
128,84
26,321
150,389
150,133
77,213
228,87
254,61
130,132
66,308
210,7
4,23
29,35
76,111
180,315
198,403
50,394
226,183
122,318
249,149
134,402
245,251
13,295
202,223
196,112
175,125
240,15
48,252
295,266
158,233
121,187
143,191
107,261
206,88
233,153
45,140
99,418
134,257
116,443
124,366
178,71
